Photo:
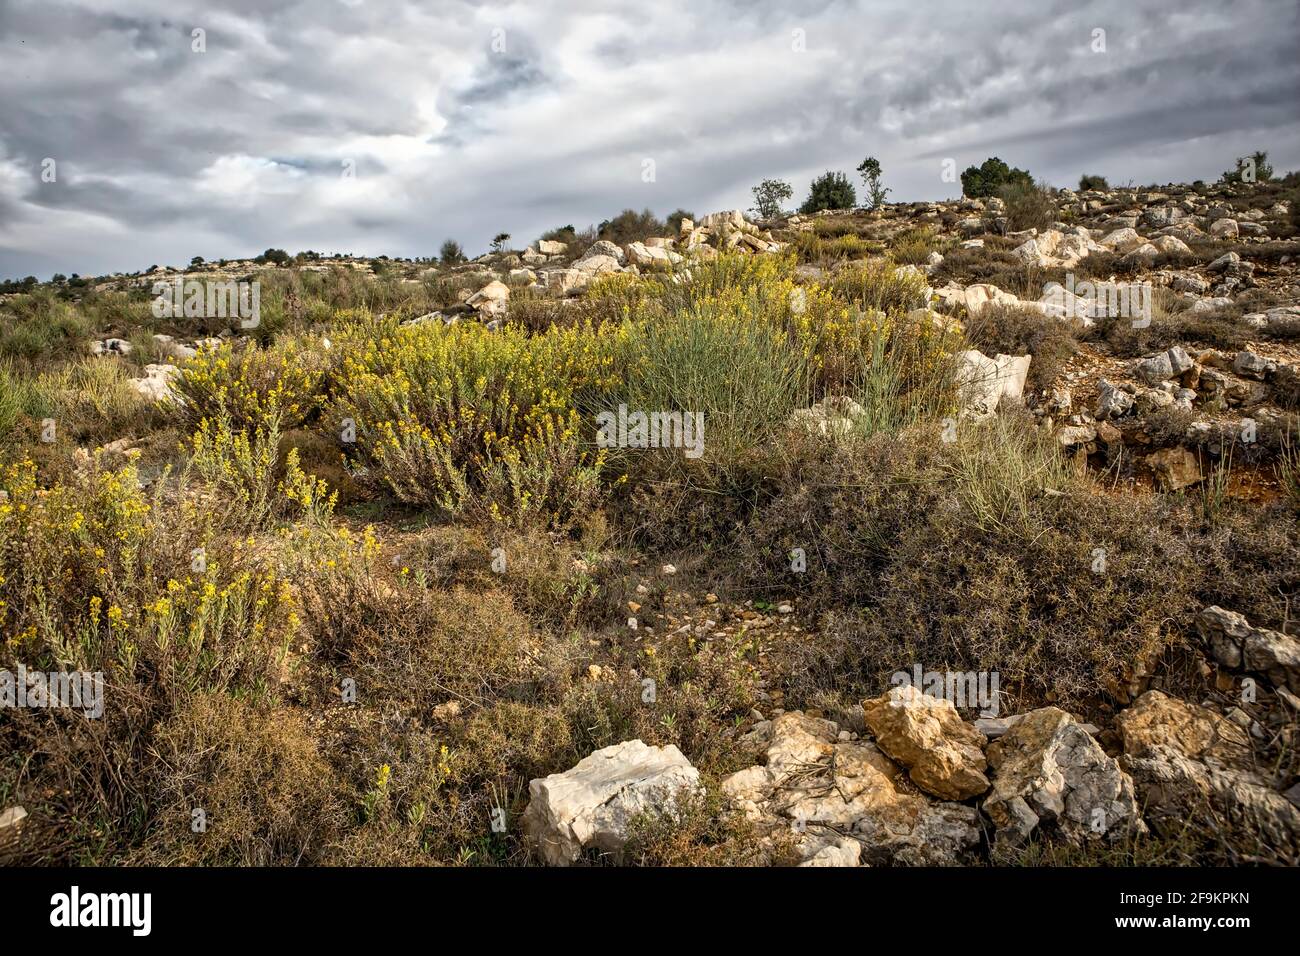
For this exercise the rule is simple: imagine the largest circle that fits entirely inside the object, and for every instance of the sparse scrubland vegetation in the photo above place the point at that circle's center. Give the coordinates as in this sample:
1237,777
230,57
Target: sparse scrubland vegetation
365,571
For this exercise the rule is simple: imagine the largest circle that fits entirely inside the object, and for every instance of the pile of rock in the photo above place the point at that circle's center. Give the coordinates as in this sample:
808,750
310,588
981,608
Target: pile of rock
913,792
717,231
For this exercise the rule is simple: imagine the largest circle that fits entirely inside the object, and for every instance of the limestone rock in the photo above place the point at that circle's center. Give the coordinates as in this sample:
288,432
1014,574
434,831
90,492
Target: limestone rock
1224,229
1122,240
984,382
491,300
1238,646
834,416
1175,468
1049,770
943,754
823,788
156,384
1112,400
975,298
1164,365
1191,766
1159,720
592,805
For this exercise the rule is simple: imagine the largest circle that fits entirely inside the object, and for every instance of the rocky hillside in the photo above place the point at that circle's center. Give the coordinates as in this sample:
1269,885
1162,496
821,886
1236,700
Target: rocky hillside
366,580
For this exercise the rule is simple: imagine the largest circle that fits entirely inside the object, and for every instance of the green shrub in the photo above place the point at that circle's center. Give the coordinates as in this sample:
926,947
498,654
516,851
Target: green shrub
41,328
830,190
1029,205
631,226
980,182
913,246
877,286
726,357
1013,330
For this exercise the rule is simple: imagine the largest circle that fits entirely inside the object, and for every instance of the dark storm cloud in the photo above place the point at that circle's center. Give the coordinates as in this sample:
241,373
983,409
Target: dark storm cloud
465,119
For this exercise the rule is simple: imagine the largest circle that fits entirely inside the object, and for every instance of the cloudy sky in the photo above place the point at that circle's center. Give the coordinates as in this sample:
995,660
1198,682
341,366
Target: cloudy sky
386,126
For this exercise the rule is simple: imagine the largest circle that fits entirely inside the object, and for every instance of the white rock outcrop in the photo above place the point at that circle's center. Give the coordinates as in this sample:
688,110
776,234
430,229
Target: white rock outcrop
593,804
983,382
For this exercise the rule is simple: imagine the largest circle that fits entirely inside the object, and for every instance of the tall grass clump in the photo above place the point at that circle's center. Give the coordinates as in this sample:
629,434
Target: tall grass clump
726,359
1003,472
40,328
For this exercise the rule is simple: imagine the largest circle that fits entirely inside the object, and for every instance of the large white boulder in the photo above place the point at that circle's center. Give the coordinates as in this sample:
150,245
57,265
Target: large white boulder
984,382
156,384
1122,240
491,300
644,255
593,804
723,221
975,298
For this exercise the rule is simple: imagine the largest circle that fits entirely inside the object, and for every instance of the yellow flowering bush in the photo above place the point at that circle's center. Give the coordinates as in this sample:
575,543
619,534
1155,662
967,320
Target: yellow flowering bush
254,382
456,416
101,577
243,468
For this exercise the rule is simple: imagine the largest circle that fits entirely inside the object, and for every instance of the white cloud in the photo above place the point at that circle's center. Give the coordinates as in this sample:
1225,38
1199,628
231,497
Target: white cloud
171,153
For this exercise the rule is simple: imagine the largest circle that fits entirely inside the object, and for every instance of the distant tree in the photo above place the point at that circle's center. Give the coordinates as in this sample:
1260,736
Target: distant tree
985,180
1251,169
674,219
17,285
58,278
451,253
196,262
629,226
768,197
499,241
830,191
869,170
1092,182
276,257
